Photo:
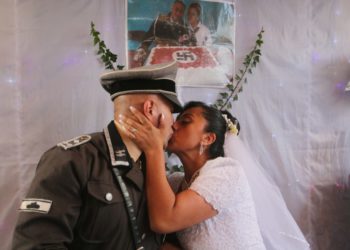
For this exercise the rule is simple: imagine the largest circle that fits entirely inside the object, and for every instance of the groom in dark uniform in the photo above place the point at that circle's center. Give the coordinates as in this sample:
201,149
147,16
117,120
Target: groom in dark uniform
88,192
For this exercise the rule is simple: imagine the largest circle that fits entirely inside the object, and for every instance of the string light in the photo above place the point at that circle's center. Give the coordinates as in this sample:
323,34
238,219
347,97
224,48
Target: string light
335,41
10,80
347,87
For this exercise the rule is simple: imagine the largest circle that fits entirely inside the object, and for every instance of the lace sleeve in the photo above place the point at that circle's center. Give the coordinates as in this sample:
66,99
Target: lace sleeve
220,182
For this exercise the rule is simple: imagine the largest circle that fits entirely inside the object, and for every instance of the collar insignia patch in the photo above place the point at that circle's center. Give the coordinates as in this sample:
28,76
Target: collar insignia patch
120,153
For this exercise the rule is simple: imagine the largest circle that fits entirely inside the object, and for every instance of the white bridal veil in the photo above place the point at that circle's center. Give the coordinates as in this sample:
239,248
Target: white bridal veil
277,226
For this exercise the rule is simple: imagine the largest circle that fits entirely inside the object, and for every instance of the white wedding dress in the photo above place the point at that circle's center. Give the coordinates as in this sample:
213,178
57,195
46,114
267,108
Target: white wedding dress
252,213
223,184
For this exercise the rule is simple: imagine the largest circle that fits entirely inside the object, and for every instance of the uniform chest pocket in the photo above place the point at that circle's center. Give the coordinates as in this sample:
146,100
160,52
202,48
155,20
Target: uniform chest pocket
103,214
105,193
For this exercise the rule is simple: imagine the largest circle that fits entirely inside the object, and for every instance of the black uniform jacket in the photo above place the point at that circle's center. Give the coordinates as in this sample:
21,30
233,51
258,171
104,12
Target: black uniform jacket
165,32
74,201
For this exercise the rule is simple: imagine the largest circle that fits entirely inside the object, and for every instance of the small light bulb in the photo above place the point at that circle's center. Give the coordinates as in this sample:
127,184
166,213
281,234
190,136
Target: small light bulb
347,88
10,80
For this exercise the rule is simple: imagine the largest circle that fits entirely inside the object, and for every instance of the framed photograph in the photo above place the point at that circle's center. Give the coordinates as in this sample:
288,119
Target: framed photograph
199,35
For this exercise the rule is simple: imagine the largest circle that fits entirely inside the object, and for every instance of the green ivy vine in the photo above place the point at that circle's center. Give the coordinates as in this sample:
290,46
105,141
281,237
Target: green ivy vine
107,57
224,102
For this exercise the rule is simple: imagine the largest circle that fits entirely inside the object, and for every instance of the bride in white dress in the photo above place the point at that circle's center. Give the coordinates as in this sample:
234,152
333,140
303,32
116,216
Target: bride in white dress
212,206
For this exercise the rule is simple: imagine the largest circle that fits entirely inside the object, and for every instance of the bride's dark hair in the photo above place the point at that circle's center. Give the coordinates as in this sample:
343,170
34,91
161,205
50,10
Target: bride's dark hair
215,124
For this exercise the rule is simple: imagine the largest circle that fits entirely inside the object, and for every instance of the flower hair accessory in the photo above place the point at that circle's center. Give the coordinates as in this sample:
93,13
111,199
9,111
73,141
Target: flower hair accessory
231,127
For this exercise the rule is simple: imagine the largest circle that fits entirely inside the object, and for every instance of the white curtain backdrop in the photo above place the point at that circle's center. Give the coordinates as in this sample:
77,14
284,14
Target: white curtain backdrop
294,112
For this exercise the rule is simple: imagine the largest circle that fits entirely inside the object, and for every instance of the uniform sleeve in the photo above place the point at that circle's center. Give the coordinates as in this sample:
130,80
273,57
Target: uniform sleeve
218,183
49,212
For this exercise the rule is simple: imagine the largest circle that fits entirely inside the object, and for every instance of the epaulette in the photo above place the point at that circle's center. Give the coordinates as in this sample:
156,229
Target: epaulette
74,142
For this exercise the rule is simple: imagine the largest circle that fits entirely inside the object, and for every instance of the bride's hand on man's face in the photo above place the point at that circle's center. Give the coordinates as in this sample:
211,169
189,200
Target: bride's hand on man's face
142,131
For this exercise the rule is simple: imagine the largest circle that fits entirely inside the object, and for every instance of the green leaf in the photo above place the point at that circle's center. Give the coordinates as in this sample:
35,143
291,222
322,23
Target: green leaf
259,42
113,57
100,51
96,40
109,65
102,44
235,98
224,94
94,33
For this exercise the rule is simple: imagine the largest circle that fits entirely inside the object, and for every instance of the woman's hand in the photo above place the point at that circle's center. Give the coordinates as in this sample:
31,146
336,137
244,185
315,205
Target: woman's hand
167,212
146,136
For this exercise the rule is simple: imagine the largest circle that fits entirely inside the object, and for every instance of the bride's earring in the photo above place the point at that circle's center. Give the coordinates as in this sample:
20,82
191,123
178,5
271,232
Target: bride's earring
201,149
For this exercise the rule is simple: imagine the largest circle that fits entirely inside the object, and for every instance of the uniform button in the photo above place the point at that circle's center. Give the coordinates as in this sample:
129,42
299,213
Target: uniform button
109,196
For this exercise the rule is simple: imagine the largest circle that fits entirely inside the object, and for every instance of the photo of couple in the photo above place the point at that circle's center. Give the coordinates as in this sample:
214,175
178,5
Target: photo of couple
199,35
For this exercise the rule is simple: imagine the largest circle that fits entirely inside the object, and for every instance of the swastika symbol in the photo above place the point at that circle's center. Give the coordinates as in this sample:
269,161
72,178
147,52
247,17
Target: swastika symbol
184,56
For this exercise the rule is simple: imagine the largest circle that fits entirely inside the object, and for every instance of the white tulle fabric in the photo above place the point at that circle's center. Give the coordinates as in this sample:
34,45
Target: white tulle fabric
223,184
277,226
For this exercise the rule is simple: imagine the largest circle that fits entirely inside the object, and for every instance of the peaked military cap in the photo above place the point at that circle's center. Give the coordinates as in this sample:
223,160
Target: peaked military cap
156,79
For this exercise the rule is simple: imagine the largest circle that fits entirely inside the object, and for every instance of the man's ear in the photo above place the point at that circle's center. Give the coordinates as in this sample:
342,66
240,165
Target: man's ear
149,110
208,138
